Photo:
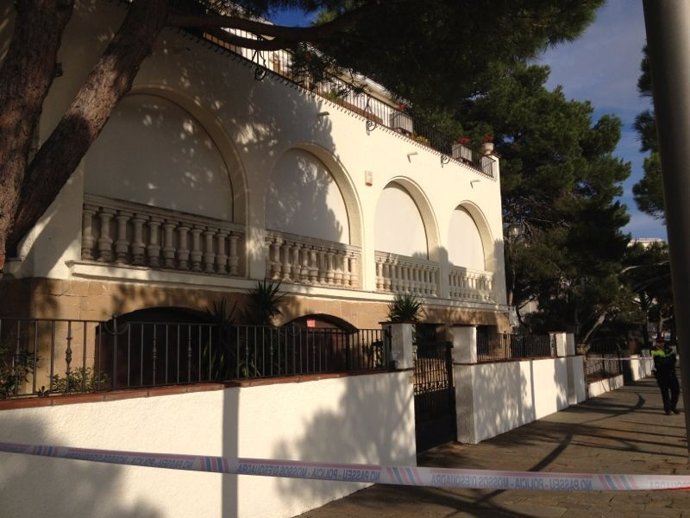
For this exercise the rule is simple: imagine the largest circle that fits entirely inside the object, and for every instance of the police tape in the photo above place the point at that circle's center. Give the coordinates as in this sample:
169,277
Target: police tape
393,475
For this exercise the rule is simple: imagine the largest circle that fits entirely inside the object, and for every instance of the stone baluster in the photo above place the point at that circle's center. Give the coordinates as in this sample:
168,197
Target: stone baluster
183,247
295,262
274,263
234,259
138,245
209,252
304,265
196,253
323,266
330,267
313,265
379,274
153,249
285,255
338,268
169,243
122,242
105,242
386,274
87,237
221,256
350,268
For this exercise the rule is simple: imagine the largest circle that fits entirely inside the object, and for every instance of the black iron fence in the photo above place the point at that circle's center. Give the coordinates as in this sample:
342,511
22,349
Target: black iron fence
602,366
513,346
44,357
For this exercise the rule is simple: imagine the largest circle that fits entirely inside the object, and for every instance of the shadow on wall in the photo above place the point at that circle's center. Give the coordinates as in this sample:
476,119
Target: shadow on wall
46,487
356,433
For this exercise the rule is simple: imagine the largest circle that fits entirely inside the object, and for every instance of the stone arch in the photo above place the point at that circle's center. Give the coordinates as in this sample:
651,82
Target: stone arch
426,213
217,138
322,321
341,179
483,232
139,348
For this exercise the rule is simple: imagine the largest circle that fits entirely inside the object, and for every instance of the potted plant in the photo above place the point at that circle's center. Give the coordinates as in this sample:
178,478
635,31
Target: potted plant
487,145
461,150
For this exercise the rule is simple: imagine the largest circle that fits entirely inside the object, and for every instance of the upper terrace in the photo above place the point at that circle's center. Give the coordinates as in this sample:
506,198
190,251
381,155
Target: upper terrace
354,92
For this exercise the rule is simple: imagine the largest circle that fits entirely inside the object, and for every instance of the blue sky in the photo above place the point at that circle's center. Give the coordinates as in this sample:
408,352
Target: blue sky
602,66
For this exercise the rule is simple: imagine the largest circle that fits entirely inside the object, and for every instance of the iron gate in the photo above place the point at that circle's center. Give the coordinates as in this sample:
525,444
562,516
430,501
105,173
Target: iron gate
434,395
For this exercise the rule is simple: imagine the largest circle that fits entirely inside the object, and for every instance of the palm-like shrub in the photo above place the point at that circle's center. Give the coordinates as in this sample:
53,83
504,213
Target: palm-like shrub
404,308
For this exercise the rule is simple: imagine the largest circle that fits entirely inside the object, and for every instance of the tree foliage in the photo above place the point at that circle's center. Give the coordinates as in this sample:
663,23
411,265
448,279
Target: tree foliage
648,192
559,183
426,52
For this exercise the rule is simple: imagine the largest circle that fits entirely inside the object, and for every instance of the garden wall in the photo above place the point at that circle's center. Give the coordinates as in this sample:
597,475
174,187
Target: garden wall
353,419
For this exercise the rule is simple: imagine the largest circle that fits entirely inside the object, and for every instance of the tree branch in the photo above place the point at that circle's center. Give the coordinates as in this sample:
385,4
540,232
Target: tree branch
109,80
288,35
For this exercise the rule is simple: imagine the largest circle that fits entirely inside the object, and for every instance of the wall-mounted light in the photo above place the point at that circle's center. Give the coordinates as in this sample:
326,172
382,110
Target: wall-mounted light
445,159
472,182
323,114
371,125
410,155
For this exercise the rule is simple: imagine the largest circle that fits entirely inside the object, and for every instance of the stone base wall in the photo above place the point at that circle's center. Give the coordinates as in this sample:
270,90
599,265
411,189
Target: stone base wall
100,300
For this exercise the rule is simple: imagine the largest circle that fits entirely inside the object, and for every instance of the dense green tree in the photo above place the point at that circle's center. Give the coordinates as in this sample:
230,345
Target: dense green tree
647,273
648,192
559,182
429,53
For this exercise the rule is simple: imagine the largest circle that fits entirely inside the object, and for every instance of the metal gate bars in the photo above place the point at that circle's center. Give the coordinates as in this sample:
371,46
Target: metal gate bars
434,395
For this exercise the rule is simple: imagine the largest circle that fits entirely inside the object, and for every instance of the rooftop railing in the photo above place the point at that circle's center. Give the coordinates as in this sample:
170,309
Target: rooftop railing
357,94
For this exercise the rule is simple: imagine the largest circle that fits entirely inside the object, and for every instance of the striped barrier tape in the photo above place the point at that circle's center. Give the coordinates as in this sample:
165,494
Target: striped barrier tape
394,475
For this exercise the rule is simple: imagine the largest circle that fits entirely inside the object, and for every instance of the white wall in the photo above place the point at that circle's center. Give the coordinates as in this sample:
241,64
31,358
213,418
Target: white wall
253,124
493,398
465,246
303,199
155,153
399,228
362,419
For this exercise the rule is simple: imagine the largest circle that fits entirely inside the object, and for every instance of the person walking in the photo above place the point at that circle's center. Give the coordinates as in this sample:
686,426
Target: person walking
665,373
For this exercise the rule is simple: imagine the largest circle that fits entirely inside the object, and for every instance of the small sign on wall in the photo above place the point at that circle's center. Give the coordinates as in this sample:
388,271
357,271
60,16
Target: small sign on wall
368,178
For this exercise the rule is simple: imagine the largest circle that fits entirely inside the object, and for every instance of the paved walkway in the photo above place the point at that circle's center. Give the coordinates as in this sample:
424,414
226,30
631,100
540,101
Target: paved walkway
625,431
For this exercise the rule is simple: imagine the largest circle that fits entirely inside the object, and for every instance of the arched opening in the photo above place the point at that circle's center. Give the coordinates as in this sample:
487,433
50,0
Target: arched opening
156,346
465,246
154,152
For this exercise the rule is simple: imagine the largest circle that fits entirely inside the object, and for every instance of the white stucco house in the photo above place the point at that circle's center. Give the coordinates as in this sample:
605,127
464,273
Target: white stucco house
206,179
217,170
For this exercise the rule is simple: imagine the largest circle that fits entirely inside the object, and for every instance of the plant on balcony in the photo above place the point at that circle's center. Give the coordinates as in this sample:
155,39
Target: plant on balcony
14,370
404,308
421,139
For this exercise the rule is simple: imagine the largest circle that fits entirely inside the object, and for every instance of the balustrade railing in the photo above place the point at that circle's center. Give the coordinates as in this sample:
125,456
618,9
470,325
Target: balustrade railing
471,285
125,233
401,274
305,260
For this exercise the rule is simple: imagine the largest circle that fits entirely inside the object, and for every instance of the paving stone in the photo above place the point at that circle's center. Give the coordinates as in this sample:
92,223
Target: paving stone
622,432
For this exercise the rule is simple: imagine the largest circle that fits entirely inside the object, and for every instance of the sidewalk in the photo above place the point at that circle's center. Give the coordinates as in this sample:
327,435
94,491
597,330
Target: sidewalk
625,431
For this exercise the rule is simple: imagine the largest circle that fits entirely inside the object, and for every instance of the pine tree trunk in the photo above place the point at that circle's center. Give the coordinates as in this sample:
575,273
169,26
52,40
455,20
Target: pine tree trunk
25,77
110,79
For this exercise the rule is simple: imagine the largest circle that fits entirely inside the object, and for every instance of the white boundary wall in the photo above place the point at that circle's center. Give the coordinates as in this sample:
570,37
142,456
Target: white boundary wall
493,398
358,419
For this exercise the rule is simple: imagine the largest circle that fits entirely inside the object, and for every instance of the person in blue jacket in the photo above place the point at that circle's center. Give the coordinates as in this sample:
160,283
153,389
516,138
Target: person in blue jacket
665,373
